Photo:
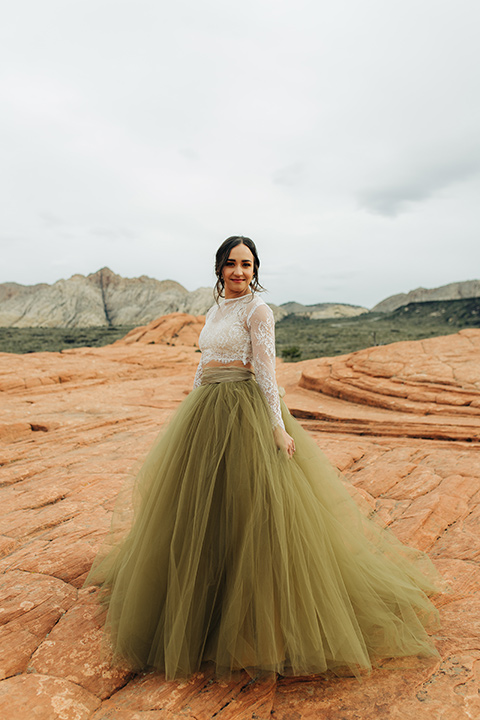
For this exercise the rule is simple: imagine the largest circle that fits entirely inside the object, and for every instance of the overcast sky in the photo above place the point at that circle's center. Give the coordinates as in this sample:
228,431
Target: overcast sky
341,135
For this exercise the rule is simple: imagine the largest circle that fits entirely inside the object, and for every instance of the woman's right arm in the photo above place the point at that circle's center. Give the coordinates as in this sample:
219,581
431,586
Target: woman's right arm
198,375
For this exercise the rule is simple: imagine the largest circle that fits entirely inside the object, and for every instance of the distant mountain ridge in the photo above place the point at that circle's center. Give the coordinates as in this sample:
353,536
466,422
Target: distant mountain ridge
452,291
319,311
105,299
99,299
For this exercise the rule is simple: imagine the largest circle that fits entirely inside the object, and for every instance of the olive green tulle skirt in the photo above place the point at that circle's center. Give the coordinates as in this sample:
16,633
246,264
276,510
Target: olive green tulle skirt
239,556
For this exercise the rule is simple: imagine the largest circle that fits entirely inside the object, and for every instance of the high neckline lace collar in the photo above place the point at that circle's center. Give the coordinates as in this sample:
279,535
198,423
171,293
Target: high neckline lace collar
241,297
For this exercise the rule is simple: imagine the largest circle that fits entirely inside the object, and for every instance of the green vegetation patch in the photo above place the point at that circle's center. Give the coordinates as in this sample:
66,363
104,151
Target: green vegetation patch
299,338
28,340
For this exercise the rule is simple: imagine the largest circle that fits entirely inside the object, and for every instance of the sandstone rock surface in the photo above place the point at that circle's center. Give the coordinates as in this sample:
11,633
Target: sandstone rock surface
173,329
75,424
428,388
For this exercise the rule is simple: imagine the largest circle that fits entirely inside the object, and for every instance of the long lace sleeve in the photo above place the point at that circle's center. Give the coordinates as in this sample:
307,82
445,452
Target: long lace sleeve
198,375
262,333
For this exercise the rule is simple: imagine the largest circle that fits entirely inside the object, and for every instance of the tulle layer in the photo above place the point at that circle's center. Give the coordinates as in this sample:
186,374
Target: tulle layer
242,557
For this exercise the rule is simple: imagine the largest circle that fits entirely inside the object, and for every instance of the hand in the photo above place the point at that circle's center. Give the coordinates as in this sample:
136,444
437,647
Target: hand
283,440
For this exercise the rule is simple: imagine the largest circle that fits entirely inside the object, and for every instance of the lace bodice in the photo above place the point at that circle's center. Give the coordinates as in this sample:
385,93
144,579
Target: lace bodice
243,329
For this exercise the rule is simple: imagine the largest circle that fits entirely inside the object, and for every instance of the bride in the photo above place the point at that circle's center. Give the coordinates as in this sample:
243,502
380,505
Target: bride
245,550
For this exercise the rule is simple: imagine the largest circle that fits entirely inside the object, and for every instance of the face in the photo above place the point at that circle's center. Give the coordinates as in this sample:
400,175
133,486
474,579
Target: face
238,272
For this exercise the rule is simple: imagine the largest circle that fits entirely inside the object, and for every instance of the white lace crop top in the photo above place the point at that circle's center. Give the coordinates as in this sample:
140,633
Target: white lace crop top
243,329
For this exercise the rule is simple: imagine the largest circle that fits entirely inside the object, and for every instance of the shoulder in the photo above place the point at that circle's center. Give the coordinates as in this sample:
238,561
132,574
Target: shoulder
211,311
259,311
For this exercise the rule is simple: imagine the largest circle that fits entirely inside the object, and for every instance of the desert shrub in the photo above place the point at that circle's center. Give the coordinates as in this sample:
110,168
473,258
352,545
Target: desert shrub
292,352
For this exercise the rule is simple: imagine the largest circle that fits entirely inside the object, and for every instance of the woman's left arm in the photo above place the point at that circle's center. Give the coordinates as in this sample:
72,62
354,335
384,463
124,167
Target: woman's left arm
262,332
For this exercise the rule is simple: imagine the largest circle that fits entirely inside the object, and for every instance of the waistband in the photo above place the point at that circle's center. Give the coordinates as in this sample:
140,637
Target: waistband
212,375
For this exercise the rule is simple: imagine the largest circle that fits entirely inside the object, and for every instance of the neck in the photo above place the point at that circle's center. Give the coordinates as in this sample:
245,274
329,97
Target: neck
230,296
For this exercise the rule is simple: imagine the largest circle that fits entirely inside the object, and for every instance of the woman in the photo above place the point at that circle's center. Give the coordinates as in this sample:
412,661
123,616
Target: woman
246,550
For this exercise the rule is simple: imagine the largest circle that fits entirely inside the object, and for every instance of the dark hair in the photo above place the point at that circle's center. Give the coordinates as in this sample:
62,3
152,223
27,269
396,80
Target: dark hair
223,253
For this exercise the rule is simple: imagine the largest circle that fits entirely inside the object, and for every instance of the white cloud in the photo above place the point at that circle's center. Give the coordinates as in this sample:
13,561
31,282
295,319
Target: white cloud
422,178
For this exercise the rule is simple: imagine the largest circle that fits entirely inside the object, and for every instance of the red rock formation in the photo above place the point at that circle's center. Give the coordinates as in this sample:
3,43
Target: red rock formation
437,375
429,388
174,329
75,424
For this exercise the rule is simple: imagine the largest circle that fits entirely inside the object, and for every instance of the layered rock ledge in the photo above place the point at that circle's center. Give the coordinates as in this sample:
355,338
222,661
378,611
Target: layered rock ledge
428,388
74,424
